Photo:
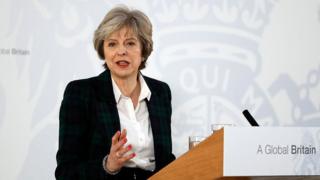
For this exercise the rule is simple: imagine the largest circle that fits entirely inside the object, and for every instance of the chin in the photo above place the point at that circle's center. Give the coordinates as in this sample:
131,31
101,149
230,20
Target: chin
124,74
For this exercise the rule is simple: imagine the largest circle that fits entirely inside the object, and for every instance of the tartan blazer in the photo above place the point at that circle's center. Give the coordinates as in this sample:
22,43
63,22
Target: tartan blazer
89,118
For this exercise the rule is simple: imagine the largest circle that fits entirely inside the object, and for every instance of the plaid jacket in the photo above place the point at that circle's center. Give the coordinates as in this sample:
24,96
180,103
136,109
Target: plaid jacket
89,118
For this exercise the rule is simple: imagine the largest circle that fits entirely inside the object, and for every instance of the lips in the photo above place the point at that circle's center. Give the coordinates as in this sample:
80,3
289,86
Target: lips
122,63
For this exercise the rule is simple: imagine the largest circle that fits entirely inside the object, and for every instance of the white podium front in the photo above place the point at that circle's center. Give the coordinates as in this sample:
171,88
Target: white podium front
250,153
271,151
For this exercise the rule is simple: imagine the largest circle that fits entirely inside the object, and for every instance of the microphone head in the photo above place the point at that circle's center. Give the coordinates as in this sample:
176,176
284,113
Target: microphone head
249,117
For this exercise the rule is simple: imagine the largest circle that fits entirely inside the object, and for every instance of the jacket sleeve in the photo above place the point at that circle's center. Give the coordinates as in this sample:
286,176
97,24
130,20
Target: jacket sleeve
171,156
161,112
74,138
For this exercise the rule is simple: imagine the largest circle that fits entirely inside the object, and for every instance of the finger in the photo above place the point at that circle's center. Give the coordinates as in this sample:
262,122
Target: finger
115,138
119,162
123,151
119,144
127,158
123,134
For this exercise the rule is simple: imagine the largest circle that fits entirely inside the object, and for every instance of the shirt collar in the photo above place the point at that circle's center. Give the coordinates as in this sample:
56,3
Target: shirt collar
144,92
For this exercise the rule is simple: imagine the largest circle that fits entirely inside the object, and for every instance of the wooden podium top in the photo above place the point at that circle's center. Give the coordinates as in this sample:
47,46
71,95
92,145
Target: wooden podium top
205,161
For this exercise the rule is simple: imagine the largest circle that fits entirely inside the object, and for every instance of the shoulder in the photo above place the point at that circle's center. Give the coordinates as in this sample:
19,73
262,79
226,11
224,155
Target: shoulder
81,83
155,84
159,88
80,88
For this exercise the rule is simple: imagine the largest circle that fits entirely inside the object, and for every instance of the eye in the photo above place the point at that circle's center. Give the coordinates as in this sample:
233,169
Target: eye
111,44
131,43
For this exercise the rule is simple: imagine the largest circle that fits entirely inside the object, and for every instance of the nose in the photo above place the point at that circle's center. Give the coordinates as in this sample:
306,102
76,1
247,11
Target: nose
122,50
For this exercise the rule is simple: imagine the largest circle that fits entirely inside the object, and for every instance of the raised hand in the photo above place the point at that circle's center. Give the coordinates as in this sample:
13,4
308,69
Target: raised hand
118,155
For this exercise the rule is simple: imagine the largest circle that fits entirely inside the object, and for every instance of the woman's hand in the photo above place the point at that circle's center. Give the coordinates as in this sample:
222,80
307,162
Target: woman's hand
117,156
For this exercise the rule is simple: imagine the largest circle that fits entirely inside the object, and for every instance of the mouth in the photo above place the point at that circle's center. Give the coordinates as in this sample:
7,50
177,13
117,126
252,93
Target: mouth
123,63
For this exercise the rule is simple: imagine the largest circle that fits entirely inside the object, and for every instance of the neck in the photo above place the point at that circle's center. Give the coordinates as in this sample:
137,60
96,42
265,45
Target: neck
129,87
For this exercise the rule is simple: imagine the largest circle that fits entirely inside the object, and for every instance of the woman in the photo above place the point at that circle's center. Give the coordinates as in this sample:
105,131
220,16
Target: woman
116,125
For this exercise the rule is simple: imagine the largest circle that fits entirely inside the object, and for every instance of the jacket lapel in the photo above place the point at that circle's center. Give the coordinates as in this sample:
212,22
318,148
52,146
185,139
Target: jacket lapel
154,120
106,104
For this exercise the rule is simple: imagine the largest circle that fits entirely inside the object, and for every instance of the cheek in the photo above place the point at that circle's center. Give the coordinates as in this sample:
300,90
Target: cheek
108,55
138,55
138,58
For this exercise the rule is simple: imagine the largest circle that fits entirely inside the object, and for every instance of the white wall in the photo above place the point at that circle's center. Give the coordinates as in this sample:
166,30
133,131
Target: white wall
219,57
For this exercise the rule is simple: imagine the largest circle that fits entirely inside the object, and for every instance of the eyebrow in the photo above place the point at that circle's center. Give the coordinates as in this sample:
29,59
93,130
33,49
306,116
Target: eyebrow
131,38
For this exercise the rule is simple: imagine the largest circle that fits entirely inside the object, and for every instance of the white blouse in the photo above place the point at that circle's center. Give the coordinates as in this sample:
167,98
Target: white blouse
137,123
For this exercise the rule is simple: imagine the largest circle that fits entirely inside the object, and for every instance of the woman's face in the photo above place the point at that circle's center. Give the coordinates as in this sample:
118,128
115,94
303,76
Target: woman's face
122,51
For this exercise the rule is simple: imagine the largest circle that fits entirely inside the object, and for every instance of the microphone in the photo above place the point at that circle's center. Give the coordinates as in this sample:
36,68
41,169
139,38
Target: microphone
250,119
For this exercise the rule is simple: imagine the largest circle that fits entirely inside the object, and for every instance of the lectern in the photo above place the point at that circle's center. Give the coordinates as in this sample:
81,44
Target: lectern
250,153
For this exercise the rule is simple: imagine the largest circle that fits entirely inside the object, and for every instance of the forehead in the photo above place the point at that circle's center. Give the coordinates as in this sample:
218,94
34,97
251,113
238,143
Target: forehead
124,32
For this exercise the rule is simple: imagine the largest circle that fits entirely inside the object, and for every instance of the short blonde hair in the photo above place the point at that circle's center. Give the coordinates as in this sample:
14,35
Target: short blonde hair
118,18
